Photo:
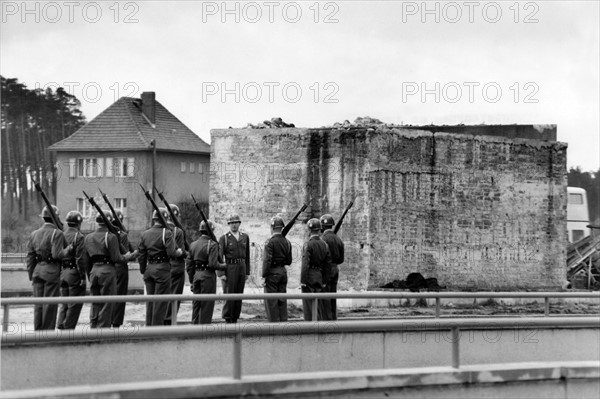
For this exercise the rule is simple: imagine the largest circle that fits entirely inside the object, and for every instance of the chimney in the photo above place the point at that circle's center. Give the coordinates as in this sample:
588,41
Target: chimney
149,106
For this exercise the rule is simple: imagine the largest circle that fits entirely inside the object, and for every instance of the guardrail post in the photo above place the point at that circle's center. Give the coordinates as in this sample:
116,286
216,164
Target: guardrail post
5,318
315,309
237,356
174,313
546,306
455,347
437,307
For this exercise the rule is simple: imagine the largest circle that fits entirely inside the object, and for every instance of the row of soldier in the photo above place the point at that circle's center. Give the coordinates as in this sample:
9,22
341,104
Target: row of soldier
59,262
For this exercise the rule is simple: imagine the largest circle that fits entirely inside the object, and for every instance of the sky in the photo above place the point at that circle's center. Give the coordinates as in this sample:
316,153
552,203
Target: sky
221,64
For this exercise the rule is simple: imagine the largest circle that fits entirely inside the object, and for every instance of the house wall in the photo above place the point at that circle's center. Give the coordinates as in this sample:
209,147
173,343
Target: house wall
139,210
476,212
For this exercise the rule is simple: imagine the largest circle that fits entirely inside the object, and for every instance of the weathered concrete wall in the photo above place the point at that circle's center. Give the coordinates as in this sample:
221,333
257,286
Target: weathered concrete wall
127,359
475,211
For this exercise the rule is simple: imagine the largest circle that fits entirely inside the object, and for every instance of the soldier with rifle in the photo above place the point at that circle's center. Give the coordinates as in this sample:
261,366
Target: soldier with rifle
157,247
332,272
200,265
46,249
315,259
100,255
177,264
277,254
73,275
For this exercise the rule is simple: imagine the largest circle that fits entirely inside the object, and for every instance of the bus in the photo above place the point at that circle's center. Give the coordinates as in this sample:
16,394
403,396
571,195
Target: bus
578,217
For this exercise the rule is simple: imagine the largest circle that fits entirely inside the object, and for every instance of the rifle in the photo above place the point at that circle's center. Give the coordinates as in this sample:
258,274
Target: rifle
53,215
108,224
160,215
290,224
174,219
112,210
338,225
211,233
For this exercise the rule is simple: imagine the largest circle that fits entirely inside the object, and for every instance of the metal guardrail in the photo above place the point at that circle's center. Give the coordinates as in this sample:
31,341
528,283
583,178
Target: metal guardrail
238,331
7,302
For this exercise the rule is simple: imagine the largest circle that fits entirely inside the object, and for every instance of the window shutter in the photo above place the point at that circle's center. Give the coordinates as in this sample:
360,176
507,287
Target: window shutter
99,166
72,164
130,167
108,172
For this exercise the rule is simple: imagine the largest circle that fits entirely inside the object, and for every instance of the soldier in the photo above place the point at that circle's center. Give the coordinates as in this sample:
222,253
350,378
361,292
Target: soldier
277,255
100,254
156,247
201,264
235,247
122,270
331,274
45,251
177,264
72,276
315,259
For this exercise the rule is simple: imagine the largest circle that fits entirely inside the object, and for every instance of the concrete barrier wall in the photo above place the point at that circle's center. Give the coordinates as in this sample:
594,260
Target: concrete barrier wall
26,366
535,380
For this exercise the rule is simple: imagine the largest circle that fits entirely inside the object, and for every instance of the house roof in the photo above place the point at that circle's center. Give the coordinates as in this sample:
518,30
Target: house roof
123,127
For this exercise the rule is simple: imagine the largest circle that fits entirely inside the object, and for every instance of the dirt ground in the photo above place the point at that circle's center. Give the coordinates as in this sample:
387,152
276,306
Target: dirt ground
254,311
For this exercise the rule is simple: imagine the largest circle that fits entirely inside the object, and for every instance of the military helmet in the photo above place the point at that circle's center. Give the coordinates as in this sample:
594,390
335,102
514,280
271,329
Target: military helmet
277,222
175,209
314,224
203,226
46,213
119,214
107,214
74,217
235,218
327,221
163,212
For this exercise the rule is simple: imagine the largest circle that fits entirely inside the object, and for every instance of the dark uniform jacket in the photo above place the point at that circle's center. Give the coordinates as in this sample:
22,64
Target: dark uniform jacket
101,243
233,249
277,252
179,241
157,241
315,255
46,244
203,252
336,249
76,238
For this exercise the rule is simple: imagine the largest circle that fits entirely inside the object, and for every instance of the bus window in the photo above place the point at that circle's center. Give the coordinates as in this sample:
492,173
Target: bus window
577,214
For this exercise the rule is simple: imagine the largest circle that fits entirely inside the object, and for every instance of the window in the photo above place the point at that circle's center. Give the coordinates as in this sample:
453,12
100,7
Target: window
84,207
183,167
192,167
577,234
89,167
575,199
121,204
123,167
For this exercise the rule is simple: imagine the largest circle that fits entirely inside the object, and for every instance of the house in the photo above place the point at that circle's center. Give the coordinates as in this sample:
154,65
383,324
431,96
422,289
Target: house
134,141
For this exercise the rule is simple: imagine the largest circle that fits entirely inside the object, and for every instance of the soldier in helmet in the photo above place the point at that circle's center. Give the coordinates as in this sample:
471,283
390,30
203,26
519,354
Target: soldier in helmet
235,247
157,247
100,254
177,264
200,265
315,259
331,274
72,276
45,251
122,273
276,256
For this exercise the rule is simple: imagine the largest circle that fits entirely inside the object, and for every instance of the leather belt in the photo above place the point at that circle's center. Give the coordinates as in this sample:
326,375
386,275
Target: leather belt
235,260
101,259
159,258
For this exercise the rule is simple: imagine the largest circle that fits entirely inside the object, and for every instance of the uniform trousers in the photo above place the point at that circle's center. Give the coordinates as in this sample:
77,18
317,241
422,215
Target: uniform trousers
313,284
103,281
177,284
46,283
157,278
236,280
122,286
205,282
70,285
329,306
276,281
